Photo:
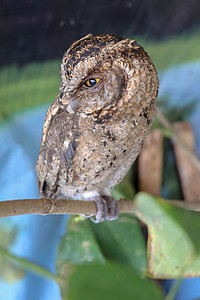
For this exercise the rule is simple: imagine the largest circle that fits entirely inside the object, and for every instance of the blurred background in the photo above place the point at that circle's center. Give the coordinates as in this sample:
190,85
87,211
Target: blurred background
33,37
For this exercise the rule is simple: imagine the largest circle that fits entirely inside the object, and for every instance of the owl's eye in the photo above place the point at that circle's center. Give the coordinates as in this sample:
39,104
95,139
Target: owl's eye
92,82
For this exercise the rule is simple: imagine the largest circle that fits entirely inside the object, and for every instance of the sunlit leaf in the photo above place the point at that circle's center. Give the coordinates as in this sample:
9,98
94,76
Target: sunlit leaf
174,238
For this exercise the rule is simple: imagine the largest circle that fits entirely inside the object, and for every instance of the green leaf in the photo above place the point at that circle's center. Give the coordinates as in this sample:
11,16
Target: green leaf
125,188
24,264
173,237
110,281
13,267
8,235
9,272
122,241
78,245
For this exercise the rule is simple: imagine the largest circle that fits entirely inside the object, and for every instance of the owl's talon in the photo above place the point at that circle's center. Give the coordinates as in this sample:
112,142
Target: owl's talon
107,209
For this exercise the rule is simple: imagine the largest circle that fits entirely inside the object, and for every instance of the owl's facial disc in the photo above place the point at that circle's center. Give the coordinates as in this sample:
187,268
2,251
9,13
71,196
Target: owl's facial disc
89,84
97,90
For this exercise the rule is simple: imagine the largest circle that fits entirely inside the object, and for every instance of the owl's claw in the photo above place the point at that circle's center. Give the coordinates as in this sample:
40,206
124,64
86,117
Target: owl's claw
107,209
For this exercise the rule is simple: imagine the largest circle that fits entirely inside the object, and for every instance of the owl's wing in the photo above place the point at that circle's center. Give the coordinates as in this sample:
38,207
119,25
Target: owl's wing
57,150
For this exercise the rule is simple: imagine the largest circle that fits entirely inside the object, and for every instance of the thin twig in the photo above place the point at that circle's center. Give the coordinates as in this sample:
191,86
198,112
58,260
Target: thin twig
192,205
45,206
163,120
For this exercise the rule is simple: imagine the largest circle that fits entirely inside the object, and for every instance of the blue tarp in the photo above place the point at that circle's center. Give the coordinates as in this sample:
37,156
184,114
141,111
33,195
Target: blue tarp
37,236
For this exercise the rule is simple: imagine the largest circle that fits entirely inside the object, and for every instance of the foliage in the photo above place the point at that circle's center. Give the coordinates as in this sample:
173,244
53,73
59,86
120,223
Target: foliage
173,51
9,272
109,281
28,86
95,261
173,243
119,241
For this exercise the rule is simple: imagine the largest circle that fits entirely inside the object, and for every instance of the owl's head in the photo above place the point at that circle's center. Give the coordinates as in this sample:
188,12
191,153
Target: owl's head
104,71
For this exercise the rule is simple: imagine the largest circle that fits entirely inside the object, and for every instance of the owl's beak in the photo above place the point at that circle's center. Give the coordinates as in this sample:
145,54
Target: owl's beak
74,103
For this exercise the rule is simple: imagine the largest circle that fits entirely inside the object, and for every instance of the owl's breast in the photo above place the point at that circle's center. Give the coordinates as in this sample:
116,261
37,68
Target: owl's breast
103,149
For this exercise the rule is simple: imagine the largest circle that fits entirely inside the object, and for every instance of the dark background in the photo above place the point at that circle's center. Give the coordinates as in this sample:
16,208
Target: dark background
42,30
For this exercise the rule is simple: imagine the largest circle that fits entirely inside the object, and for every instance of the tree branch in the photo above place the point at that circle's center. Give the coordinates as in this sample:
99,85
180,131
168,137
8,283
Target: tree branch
45,206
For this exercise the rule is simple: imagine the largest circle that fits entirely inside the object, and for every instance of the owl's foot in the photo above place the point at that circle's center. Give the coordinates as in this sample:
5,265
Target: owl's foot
107,209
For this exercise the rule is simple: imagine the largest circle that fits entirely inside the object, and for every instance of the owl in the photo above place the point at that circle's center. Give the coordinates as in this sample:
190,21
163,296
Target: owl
95,128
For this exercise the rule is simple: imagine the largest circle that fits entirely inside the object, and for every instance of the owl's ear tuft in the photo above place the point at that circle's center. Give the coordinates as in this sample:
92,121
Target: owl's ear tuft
122,43
127,43
77,42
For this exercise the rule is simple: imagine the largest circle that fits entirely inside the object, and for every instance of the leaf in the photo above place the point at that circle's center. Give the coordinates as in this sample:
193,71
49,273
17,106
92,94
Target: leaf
9,272
20,263
110,281
125,188
8,235
173,237
171,187
78,245
15,267
122,241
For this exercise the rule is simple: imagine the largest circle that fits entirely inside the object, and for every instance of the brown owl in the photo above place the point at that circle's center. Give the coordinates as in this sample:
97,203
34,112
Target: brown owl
95,128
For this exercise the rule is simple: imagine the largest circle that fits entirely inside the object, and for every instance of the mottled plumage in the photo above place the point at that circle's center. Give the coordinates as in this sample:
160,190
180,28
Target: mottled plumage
92,135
